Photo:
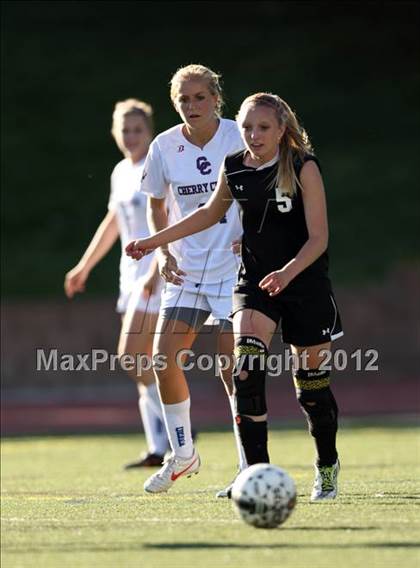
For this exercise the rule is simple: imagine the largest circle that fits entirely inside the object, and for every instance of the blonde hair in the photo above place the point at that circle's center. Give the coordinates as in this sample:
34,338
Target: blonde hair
295,139
131,107
202,73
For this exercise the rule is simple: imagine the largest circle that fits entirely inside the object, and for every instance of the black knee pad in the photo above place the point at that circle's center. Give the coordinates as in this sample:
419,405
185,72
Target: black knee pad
316,400
249,376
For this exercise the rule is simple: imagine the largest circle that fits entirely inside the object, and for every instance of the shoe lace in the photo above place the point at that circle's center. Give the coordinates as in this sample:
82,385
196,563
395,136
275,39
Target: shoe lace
166,469
326,474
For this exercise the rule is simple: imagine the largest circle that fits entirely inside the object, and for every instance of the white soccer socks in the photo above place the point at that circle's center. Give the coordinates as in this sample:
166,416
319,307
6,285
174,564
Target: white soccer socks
178,426
152,417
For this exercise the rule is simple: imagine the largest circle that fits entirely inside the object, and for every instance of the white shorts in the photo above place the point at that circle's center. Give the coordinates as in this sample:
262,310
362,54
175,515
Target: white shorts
137,301
213,298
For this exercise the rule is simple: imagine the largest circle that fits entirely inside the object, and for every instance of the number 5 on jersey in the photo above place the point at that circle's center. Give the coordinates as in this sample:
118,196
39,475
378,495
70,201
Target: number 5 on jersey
284,203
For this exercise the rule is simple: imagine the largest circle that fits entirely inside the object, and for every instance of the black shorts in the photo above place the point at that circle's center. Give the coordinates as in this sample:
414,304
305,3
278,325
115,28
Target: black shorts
307,318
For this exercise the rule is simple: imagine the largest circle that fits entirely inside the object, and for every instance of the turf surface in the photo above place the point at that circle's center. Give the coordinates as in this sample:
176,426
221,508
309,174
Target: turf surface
67,502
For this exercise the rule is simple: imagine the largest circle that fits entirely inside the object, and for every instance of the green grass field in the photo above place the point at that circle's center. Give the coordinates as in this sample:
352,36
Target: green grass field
67,502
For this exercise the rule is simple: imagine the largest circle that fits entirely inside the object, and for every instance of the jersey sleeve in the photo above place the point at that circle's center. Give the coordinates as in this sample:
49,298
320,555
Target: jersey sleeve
224,168
153,181
240,145
299,163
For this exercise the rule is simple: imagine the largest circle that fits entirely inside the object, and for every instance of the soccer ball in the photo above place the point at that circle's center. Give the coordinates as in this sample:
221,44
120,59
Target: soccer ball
264,495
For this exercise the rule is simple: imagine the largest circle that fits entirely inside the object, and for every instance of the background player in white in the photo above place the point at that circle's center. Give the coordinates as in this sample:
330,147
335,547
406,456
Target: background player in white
200,271
140,284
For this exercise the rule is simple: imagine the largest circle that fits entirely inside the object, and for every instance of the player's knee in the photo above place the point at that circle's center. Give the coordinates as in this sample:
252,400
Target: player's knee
316,399
162,375
249,376
131,343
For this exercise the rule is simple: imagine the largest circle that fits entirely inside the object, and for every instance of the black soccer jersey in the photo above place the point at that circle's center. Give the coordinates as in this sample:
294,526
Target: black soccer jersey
274,224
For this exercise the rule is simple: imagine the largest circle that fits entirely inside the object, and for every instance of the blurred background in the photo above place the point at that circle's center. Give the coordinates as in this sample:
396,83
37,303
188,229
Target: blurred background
350,70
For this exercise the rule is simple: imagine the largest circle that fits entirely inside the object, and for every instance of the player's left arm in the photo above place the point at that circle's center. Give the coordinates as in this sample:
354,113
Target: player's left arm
315,208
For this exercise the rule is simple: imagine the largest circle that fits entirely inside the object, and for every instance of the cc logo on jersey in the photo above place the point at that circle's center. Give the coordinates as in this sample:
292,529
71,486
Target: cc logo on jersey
203,165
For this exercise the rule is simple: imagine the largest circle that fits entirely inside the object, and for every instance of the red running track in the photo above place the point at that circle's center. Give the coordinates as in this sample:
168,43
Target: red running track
209,408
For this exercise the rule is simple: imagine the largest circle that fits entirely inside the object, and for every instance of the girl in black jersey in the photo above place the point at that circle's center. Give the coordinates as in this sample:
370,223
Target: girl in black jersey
283,276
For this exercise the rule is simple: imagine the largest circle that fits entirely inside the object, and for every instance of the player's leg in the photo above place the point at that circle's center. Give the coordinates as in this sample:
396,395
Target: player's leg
172,337
136,340
225,346
182,316
220,300
309,326
320,408
253,331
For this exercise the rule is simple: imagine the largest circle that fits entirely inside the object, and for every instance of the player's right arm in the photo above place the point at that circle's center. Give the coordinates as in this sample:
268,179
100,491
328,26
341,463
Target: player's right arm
157,219
104,238
201,219
155,184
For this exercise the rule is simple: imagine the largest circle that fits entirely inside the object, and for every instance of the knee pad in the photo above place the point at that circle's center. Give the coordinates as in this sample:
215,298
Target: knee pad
316,400
249,376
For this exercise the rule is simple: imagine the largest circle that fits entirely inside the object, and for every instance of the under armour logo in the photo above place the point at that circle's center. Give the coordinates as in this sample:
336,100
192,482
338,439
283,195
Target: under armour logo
239,187
203,165
326,331
181,148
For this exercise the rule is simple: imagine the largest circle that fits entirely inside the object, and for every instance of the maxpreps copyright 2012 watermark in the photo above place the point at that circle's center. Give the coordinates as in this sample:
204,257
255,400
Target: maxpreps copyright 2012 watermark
187,360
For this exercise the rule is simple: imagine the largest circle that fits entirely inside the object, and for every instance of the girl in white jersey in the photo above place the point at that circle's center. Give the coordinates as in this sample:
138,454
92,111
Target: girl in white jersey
140,284
200,270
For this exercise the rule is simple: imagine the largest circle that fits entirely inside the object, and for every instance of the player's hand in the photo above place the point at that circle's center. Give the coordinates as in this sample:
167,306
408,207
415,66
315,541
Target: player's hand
169,270
75,281
138,249
275,282
236,246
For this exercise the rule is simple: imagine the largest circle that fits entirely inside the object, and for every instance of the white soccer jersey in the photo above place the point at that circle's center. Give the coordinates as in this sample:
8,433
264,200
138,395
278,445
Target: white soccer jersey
130,208
189,173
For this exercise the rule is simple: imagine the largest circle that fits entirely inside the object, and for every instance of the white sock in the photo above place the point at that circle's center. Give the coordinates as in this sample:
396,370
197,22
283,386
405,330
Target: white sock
153,425
243,464
178,426
152,393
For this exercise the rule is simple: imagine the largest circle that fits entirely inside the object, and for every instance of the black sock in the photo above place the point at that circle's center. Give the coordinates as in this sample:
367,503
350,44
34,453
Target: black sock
254,440
322,423
326,449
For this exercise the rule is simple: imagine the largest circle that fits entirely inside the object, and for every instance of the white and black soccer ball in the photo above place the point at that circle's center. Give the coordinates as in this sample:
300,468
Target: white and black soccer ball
264,495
